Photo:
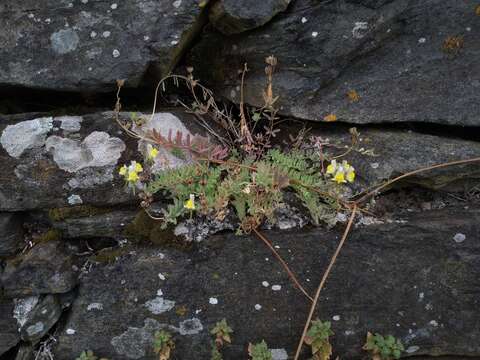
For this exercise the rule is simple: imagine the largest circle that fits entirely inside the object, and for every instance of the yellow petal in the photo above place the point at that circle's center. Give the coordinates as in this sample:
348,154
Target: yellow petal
132,176
339,177
351,176
152,154
138,167
189,204
123,170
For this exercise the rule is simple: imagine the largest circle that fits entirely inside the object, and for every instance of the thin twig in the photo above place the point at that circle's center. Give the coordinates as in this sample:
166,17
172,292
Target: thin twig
389,182
284,264
324,279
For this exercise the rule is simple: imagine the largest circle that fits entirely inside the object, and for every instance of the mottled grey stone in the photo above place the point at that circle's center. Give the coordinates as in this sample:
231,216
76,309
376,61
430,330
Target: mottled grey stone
422,286
41,319
88,45
11,233
44,269
236,16
391,53
9,336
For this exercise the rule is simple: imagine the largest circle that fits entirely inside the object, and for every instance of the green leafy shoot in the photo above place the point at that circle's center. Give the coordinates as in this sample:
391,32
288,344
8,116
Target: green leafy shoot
383,348
318,338
163,344
259,351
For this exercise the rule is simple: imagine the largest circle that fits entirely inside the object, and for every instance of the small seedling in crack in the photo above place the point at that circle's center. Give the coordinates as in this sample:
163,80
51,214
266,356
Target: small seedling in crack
318,339
163,344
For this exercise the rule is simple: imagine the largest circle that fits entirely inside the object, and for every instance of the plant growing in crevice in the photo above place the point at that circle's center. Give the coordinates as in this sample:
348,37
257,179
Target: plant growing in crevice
89,355
383,347
318,339
163,344
259,351
222,333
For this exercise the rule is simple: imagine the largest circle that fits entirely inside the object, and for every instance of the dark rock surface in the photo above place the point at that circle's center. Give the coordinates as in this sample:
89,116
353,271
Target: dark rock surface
53,162
414,277
41,319
11,233
406,61
44,269
87,45
233,16
9,336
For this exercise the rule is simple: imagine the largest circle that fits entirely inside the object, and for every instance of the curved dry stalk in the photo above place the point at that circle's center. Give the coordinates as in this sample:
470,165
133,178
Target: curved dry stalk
389,182
324,279
284,264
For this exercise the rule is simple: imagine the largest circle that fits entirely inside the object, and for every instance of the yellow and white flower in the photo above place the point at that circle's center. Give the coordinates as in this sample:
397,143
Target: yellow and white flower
130,173
190,203
341,173
152,152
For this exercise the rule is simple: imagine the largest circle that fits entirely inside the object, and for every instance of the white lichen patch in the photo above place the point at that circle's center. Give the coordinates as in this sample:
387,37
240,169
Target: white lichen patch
70,123
135,341
177,3
159,305
35,329
95,306
258,307
213,301
64,41
75,200
412,349
98,149
276,287
70,331
91,177
190,327
25,135
359,30
23,307
279,354
459,238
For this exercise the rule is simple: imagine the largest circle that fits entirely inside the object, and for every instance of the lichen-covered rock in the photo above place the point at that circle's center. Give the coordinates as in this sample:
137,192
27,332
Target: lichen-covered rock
9,336
88,45
405,276
234,16
382,154
11,233
364,61
55,162
44,269
40,319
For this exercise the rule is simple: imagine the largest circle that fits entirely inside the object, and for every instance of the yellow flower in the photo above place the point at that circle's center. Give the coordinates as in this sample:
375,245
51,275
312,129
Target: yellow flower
123,170
351,176
332,167
190,203
138,167
132,176
152,152
341,173
340,177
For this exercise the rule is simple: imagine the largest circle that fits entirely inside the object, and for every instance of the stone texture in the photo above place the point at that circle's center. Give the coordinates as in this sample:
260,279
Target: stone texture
87,45
233,16
382,154
391,53
69,160
44,269
405,276
9,336
11,233
41,319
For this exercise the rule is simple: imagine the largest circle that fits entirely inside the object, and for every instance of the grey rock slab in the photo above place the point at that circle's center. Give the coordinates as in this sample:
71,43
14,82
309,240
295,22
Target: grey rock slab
41,319
383,154
87,45
51,162
11,233
44,269
405,277
233,16
9,335
391,53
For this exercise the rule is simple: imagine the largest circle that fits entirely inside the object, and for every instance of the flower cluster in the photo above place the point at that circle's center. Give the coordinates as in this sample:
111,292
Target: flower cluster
151,152
341,173
130,173
190,203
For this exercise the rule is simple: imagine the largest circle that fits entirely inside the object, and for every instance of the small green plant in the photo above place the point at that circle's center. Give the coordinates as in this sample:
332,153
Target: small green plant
163,344
318,338
89,355
222,333
259,351
383,348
